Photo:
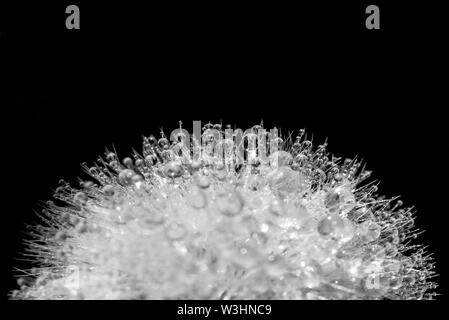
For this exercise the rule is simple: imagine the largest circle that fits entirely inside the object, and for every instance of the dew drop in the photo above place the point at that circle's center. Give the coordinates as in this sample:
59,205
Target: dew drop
395,282
74,220
125,177
80,197
87,184
332,199
151,159
336,227
196,165
108,190
175,231
230,204
139,163
128,162
326,226
154,218
81,227
65,216
111,156
137,178
173,169
369,231
286,180
203,182
61,236
198,199
221,175
276,208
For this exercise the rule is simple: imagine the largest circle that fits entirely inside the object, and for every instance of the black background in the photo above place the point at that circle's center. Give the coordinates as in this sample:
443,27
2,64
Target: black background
375,94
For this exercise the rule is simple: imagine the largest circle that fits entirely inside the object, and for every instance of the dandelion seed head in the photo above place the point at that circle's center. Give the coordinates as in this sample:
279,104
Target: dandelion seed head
300,224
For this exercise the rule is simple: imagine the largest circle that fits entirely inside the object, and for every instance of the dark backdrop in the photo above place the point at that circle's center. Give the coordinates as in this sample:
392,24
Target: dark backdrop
376,95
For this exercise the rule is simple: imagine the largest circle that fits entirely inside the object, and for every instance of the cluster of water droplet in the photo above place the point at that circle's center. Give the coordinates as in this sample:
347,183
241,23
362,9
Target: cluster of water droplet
160,226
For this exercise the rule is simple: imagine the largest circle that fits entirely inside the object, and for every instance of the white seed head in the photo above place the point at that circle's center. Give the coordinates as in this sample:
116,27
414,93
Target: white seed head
299,225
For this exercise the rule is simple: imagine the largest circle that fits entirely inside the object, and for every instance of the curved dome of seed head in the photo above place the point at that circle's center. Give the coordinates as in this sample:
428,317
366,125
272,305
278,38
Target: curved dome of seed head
297,224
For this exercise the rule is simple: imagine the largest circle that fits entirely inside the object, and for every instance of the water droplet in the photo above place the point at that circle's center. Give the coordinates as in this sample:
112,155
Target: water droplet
163,142
23,281
125,177
154,217
80,197
128,162
110,156
61,236
230,203
332,199
108,190
276,208
336,227
326,226
87,184
369,231
137,178
198,199
221,175
139,163
81,227
196,165
151,159
74,220
203,182
175,231
65,217
173,169
286,180
298,212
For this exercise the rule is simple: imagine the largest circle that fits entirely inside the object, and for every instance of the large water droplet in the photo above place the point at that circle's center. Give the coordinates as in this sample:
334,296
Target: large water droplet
198,199
128,162
230,203
221,175
369,231
285,180
341,198
203,182
276,208
153,217
108,190
173,169
336,227
327,225
332,199
125,177
80,198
